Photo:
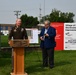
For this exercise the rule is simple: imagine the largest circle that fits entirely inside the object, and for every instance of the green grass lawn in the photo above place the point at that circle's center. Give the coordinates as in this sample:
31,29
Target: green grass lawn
65,63
4,41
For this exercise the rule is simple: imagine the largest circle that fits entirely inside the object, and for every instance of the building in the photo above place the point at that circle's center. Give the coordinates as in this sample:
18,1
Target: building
5,28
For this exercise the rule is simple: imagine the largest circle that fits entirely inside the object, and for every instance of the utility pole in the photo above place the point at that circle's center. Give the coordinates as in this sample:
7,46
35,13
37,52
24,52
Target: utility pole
17,13
0,36
40,15
44,10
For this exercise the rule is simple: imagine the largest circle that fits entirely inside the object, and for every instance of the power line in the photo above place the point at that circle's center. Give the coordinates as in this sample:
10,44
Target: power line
17,13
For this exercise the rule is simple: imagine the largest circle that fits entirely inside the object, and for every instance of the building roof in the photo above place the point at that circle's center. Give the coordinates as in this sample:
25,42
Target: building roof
41,25
7,24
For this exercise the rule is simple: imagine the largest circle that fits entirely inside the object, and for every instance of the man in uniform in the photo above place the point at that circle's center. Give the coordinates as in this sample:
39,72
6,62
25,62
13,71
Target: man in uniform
17,32
47,37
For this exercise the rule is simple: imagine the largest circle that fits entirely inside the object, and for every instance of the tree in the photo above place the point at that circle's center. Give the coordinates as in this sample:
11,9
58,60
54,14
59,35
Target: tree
58,16
29,21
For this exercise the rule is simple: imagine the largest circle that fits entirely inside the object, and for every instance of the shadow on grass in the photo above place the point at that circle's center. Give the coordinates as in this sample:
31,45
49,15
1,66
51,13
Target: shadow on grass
62,63
5,54
4,62
35,68
5,58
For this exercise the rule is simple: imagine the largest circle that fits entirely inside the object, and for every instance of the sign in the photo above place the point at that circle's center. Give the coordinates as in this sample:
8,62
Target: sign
32,35
69,36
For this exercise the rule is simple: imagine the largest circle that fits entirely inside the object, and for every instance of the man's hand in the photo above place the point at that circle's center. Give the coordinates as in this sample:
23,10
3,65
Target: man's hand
41,38
47,35
9,42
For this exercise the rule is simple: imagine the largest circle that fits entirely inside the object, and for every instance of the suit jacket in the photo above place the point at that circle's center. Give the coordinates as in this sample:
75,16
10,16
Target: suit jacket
49,42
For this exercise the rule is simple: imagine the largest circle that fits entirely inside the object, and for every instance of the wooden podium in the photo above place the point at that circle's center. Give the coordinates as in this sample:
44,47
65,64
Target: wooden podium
18,51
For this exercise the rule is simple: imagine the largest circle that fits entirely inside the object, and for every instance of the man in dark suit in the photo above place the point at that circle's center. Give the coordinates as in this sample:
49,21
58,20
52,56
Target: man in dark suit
47,37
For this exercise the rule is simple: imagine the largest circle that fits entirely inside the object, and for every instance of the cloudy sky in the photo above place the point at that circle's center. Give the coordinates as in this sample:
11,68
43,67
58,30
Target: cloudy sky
31,8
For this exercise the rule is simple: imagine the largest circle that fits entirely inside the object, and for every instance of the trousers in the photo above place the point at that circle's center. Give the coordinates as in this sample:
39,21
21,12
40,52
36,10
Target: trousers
48,56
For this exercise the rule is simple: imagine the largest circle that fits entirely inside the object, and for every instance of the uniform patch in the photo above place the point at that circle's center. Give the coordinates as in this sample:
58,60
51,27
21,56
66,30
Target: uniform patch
22,29
15,30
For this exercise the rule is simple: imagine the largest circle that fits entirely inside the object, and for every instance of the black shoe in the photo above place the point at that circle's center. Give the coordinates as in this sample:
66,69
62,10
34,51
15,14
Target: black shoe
51,67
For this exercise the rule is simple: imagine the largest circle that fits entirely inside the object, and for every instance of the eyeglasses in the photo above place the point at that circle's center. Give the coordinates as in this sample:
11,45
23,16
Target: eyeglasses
46,24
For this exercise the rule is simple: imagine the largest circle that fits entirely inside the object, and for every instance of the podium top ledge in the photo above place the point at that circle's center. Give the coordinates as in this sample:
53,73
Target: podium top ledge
19,43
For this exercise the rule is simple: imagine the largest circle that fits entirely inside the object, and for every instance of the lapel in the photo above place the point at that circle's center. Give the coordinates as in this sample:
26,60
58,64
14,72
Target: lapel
43,30
48,30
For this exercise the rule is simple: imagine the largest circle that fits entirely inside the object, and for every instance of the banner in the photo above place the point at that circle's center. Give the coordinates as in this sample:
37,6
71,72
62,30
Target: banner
32,35
59,35
69,36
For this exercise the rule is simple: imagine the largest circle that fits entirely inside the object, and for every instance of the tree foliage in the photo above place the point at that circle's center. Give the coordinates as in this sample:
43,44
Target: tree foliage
29,21
58,16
